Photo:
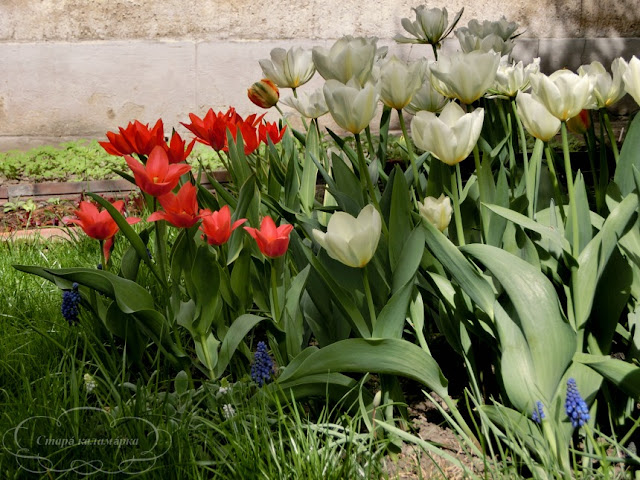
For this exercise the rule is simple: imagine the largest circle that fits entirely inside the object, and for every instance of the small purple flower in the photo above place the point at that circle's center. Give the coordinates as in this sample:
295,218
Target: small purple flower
70,302
576,407
262,368
538,412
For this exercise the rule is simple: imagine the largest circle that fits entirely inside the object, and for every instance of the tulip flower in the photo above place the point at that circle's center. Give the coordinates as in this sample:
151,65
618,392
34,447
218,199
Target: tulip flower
607,88
465,76
180,210
563,93
217,226
99,225
437,211
352,241
350,106
512,78
270,131
426,98
212,128
264,93
399,81
272,241
178,150
486,36
158,177
347,58
535,117
249,134
136,138
430,26
631,79
308,104
449,137
289,68
580,123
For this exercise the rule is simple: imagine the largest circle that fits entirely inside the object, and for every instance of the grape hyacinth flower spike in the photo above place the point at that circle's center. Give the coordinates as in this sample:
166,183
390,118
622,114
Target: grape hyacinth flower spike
262,368
538,412
575,406
70,302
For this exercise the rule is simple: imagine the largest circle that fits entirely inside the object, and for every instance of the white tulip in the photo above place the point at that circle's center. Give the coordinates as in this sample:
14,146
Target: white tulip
437,211
631,79
350,106
465,76
449,137
470,43
308,104
349,57
535,117
563,93
502,28
399,81
352,241
607,88
289,68
512,78
430,26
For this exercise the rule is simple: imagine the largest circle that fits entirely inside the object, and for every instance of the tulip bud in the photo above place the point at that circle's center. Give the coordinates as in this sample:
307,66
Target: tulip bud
580,123
264,93
437,211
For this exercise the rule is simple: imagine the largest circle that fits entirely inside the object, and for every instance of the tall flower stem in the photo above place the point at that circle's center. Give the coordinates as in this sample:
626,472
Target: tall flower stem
365,179
481,192
554,181
367,292
434,47
277,265
525,153
456,205
104,263
411,154
570,188
612,138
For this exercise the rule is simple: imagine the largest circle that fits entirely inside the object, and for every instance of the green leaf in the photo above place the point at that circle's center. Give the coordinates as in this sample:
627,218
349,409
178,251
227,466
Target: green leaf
594,258
387,356
390,321
584,218
409,259
623,375
399,217
309,171
232,339
467,276
293,321
206,281
549,337
629,158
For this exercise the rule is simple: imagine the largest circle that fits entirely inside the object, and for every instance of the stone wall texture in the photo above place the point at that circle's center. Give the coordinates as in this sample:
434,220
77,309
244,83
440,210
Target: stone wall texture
77,68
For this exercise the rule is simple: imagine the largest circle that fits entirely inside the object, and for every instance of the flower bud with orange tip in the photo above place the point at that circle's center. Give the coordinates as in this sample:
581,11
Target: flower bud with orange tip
580,123
264,93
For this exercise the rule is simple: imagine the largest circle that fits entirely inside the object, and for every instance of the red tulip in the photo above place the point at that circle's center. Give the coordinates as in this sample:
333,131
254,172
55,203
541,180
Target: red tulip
180,210
212,128
272,241
249,136
217,225
270,130
136,138
99,224
157,177
176,151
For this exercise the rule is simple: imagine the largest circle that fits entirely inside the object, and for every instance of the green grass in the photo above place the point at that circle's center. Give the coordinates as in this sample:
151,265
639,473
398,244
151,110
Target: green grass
78,161
43,363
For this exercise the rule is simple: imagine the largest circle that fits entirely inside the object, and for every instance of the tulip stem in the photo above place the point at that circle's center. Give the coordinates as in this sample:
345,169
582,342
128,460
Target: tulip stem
102,256
367,184
275,271
525,153
434,47
456,205
570,188
612,137
367,292
412,160
554,181
481,192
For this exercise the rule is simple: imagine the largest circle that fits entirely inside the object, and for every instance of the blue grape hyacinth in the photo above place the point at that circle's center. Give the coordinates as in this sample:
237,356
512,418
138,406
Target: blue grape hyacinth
538,412
70,302
262,368
576,407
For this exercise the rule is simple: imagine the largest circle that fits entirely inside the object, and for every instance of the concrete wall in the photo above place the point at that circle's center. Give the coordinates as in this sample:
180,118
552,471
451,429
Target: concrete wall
77,68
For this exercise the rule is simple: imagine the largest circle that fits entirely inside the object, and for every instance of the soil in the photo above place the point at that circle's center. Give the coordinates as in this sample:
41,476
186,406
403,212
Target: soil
45,214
